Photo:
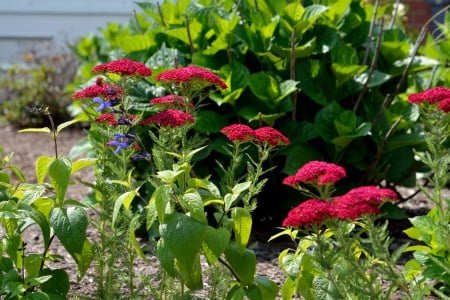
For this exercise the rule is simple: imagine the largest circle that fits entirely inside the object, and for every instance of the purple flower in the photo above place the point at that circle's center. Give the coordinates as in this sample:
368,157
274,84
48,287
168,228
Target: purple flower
121,141
103,104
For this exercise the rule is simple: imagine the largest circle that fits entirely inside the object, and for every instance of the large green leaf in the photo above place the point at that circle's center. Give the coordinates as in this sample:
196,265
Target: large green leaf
215,243
69,225
135,43
183,237
209,121
264,86
59,171
242,226
242,262
42,163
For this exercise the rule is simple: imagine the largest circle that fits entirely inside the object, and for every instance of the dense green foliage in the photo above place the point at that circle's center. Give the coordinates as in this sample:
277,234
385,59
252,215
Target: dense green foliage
331,76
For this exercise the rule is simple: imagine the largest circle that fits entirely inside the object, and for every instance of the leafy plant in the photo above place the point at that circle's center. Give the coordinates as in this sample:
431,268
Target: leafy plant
39,82
329,75
25,275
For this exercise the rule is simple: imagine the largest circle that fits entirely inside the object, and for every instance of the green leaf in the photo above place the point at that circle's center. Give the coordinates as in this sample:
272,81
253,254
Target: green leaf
208,121
125,199
59,172
161,197
267,288
183,238
70,226
264,86
343,73
42,163
324,121
58,284
215,243
242,262
242,226
61,126
135,43
193,203
44,130
82,163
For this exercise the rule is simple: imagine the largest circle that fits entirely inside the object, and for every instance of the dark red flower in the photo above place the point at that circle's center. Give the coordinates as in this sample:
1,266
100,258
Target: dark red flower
100,89
107,118
170,118
189,74
310,212
238,132
433,95
123,67
271,136
361,201
170,101
316,172
444,105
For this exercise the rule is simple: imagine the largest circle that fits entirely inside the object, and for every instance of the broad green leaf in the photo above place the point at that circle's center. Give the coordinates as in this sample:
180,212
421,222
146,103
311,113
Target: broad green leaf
61,126
125,199
161,197
215,243
193,203
31,193
59,172
343,73
377,78
82,163
41,220
183,238
298,156
300,51
135,43
264,86
209,121
324,121
294,12
69,225
228,97
42,163
242,226
242,262
58,284
267,288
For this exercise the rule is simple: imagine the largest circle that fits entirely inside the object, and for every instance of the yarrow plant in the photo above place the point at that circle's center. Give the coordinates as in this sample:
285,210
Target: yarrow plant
186,216
341,252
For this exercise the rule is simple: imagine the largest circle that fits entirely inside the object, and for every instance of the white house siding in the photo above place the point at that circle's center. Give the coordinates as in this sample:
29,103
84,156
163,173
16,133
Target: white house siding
26,23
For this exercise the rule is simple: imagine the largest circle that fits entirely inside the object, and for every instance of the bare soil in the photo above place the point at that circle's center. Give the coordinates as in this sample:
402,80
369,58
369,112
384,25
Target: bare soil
28,146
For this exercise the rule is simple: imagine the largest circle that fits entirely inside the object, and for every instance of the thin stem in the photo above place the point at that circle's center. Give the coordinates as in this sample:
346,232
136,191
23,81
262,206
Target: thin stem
235,275
370,34
188,30
161,16
292,71
53,132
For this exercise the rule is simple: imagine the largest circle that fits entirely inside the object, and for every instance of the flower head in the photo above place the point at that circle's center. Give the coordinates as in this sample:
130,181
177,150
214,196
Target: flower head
361,201
433,95
123,67
170,118
316,172
100,89
191,74
170,101
271,136
121,141
310,212
238,132
103,104
444,105
107,118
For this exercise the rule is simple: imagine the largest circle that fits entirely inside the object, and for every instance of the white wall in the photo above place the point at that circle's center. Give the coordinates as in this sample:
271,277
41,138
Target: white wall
26,23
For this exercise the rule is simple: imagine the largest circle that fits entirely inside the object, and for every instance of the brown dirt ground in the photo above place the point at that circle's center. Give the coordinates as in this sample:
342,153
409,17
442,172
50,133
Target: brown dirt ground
28,146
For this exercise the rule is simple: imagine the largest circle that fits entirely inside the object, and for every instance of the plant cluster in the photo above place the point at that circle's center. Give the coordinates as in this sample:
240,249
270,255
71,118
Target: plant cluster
342,250
39,82
330,75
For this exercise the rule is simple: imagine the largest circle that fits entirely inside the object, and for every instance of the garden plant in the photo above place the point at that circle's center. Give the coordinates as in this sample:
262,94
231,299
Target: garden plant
194,110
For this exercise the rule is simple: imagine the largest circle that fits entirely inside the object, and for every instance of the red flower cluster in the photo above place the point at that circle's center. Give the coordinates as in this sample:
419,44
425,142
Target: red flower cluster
353,205
238,132
170,118
191,73
107,118
361,201
99,89
271,136
316,172
440,95
123,67
170,101
244,133
310,212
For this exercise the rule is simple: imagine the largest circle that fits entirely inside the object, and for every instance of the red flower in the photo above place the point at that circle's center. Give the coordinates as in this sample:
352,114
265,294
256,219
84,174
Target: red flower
170,101
310,212
99,89
361,201
238,132
191,73
170,118
123,67
108,118
444,105
271,136
317,172
432,95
